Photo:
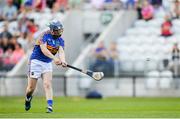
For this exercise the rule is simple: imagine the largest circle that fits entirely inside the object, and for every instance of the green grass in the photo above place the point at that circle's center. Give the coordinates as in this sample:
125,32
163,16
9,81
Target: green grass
75,107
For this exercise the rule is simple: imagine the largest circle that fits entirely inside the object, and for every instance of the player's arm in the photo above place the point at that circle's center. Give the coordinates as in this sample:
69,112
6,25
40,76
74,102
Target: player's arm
62,56
47,53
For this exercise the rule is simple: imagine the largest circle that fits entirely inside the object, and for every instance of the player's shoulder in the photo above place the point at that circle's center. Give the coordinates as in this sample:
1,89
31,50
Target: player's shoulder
61,39
45,33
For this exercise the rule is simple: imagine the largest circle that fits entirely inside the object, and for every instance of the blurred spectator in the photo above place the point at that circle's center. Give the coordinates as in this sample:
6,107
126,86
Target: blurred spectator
1,14
7,60
5,44
75,3
114,56
22,19
138,6
23,41
130,4
55,8
101,52
166,27
13,42
2,2
63,5
1,54
108,1
101,60
101,55
31,26
28,5
12,57
30,40
176,9
156,3
59,6
1,58
147,11
113,51
17,54
175,63
17,3
97,4
39,5
50,3
5,32
175,52
9,11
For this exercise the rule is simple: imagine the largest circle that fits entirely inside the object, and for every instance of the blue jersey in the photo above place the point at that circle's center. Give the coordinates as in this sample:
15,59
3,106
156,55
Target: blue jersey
52,45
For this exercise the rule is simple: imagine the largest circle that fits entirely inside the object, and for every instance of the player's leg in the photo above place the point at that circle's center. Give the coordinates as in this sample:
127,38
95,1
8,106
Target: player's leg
35,71
47,83
29,91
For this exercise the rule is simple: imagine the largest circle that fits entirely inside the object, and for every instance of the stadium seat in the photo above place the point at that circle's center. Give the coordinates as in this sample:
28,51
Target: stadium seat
139,66
132,31
176,22
136,56
154,31
176,29
140,23
160,13
122,40
166,79
151,64
85,83
47,16
124,49
152,79
143,44
126,66
155,23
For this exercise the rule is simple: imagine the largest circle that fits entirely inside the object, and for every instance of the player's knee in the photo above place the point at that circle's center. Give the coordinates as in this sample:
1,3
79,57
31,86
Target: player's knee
31,88
47,85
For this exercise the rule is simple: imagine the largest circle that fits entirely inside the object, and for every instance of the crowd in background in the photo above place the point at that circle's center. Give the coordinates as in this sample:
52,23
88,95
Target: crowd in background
105,58
17,28
14,42
146,10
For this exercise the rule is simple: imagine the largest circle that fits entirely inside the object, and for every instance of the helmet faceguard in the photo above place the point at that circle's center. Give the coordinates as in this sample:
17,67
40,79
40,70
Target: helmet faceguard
56,29
57,33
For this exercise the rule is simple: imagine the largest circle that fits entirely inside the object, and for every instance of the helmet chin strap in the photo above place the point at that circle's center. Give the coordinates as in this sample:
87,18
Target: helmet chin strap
56,36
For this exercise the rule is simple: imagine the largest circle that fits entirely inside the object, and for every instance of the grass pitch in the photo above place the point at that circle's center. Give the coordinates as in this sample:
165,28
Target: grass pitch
75,107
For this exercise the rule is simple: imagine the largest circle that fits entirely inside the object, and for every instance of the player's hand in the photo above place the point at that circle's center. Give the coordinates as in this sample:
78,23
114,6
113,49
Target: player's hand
64,64
57,61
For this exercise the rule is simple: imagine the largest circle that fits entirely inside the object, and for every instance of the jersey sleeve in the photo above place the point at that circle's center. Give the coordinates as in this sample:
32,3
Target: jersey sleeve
42,38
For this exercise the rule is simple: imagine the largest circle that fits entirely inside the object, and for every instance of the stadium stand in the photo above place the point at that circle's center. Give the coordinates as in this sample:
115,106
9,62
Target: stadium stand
144,41
141,48
19,30
31,20
25,20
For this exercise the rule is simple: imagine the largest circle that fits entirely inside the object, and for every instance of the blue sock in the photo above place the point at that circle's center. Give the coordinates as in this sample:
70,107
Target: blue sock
50,102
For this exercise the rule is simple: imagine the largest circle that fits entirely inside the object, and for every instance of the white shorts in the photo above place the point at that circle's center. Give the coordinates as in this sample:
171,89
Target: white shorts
37,68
